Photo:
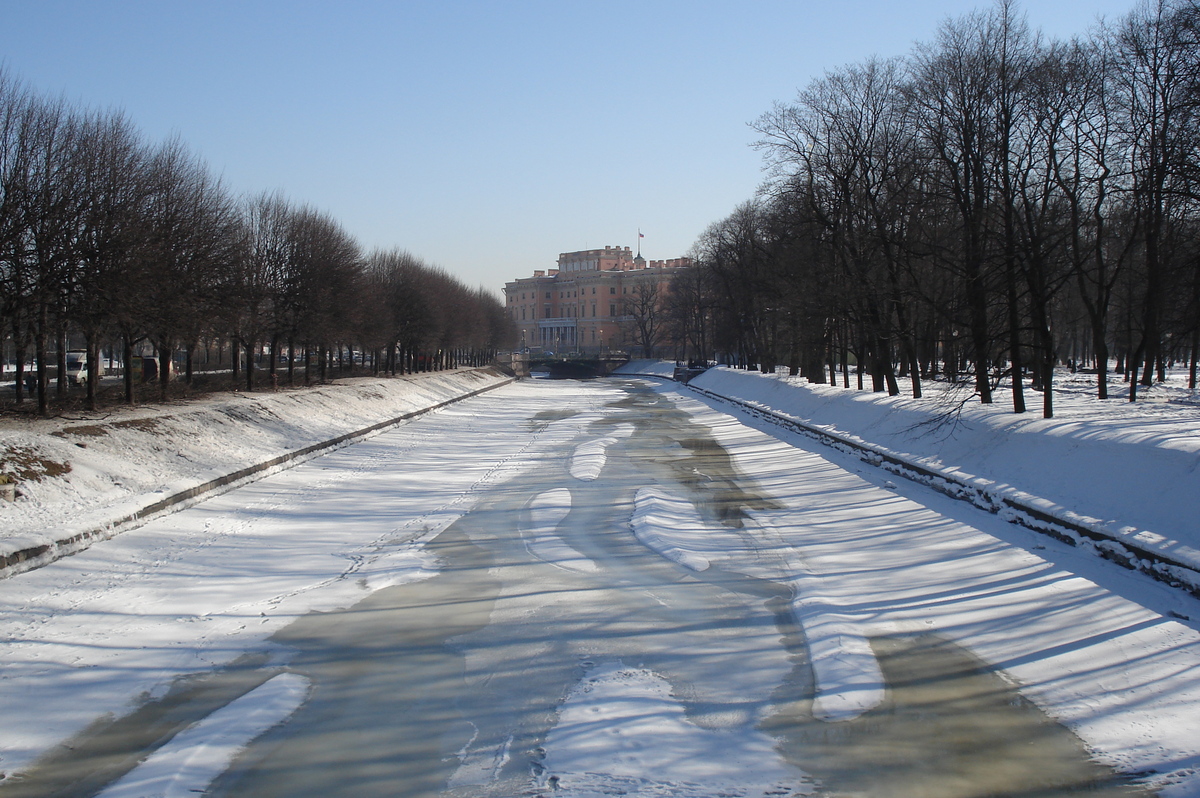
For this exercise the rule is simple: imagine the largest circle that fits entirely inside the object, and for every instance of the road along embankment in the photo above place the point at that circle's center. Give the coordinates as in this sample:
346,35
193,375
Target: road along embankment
1126,496
90,477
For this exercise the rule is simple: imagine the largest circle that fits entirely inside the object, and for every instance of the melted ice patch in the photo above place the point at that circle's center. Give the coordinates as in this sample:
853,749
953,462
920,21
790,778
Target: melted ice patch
621,732
542,540
671,526
186,765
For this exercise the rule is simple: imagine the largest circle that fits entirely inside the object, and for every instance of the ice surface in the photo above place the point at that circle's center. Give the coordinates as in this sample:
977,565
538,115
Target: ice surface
187,764
1111,654
621,732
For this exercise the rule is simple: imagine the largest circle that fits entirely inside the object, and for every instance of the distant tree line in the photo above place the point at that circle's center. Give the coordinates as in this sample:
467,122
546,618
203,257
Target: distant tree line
992,205
126,245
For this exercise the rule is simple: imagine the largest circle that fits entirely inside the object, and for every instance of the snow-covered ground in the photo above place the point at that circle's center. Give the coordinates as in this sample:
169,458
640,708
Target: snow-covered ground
863,557
1131,470
77,475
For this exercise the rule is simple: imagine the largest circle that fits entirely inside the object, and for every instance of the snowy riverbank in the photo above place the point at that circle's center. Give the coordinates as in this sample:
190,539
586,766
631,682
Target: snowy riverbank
1131,470
82,477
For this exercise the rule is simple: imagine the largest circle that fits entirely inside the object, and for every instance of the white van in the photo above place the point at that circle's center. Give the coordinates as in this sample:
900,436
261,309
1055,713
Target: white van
77,368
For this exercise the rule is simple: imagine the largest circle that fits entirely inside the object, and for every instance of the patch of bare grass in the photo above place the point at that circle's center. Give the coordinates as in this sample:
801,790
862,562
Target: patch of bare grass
26,464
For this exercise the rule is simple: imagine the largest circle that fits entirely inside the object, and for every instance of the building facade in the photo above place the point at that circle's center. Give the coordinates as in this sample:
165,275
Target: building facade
595,301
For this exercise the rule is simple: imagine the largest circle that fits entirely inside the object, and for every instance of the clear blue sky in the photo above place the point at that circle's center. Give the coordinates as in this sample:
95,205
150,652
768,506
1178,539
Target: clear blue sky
485,137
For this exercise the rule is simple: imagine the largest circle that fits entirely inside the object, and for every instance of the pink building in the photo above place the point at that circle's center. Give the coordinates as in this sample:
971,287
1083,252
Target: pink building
591,302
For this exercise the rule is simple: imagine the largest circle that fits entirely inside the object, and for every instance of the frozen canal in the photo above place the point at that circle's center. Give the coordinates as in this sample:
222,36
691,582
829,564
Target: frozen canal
589,589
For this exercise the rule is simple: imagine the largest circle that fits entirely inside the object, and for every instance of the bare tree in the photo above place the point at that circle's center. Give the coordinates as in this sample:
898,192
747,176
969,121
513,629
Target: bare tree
1156,54
954,96
51,208
691,306
191,243
643,308
256,277
114,194
16,110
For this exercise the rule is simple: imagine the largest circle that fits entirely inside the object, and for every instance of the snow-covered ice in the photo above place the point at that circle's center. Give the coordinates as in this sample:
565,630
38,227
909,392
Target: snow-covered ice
620,731
542,540
1107,652
671,526
193,758
589,458
1116,663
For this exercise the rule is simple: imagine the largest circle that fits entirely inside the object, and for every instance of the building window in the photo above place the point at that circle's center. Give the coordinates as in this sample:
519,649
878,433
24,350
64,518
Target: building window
593,289
612,289
593,310
612,310
547,295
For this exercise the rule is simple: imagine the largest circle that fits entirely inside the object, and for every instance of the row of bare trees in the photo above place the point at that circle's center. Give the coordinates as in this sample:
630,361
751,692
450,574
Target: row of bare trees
128,245
989,206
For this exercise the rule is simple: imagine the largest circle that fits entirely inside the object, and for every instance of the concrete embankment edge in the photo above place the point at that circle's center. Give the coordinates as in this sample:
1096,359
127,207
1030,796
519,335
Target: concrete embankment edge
37,556
1103,542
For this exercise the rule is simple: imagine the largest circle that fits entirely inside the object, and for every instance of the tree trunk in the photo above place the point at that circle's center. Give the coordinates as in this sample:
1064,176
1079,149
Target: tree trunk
61,362
92,346
165,352
249,348
235,361
39,353
1014,348
1192,365
127,354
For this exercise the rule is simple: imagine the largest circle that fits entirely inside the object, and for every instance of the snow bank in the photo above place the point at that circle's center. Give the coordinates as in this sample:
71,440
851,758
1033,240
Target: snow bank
1130,473
653,368
546,512
98,474
1126,465
671,526
589,458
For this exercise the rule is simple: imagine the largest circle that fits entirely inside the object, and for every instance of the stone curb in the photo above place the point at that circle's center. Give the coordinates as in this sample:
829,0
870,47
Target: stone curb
35,557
